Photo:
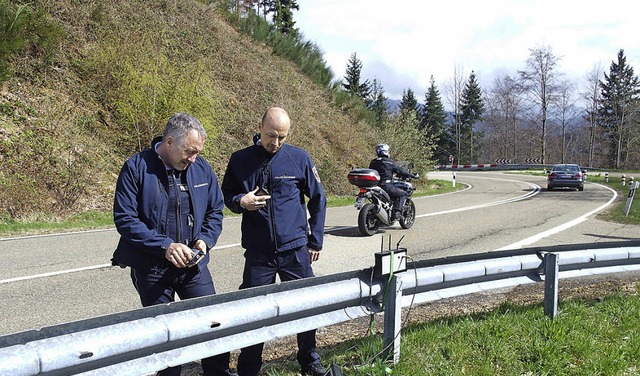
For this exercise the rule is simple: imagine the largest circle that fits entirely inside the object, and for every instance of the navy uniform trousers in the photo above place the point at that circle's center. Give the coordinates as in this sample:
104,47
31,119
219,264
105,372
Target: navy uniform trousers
260,269
159,286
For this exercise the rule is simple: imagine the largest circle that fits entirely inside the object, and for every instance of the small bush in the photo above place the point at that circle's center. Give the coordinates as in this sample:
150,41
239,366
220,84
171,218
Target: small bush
23,27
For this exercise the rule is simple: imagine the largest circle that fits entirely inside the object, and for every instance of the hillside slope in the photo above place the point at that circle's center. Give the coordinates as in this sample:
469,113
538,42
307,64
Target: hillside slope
122,68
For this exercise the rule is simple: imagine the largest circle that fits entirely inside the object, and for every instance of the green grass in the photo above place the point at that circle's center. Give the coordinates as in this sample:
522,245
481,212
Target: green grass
82,221
616,214
586,338
99,220
429,188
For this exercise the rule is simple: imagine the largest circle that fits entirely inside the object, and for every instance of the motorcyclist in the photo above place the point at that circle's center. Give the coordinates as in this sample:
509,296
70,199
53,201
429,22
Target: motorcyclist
386,167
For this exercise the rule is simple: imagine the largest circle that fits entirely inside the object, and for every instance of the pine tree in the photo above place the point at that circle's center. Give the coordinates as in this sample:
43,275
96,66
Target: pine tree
352,83
378,102
287,24
282,14
409,103
433,123
266,6
619,106
472,108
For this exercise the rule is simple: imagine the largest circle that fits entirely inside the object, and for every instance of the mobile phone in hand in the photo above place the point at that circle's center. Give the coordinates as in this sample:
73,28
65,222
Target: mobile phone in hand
195,257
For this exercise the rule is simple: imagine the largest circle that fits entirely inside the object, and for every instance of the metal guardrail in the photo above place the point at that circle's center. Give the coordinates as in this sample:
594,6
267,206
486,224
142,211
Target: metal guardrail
153,338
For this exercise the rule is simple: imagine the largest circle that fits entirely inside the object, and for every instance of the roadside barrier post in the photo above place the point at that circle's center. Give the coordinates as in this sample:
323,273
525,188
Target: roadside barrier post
632,192
551,270
454,179
392,319
622,179
630,180
606,177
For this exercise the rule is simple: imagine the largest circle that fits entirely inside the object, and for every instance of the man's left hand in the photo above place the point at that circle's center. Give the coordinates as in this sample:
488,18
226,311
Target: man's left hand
314,254
200,245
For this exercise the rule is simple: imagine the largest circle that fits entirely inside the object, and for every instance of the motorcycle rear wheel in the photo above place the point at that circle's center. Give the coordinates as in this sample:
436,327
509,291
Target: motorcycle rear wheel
408,214
368,222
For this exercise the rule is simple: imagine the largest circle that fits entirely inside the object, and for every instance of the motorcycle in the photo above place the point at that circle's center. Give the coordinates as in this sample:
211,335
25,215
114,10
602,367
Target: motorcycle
374,203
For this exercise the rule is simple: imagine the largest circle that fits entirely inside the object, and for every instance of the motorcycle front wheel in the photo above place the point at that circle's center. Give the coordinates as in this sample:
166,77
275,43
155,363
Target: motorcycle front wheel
408,214
368,222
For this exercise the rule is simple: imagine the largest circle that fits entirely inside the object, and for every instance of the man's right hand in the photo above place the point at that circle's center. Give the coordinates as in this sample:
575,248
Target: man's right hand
178,254
253,202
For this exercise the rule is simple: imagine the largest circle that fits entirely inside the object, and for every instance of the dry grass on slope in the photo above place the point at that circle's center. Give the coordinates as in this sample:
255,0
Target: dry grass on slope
123,68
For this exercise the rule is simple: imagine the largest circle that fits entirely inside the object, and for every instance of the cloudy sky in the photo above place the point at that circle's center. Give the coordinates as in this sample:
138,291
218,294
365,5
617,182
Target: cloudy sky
403,43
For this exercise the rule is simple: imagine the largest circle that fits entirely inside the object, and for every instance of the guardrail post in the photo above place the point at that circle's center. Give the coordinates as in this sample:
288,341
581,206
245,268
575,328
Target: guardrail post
551,270
392,319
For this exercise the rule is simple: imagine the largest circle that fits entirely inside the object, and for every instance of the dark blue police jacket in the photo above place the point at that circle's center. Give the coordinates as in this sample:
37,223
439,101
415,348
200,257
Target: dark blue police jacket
140,209
288,176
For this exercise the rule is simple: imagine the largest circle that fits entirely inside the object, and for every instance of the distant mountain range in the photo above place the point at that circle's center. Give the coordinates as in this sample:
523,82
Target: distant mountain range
394,104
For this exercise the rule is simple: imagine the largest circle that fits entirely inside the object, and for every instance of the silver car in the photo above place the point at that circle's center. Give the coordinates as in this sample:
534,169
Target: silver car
565,176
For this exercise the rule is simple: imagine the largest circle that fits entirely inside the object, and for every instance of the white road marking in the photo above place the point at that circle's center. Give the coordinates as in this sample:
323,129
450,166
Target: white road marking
17,279
536,189
519,244
562,227
68,271
57,234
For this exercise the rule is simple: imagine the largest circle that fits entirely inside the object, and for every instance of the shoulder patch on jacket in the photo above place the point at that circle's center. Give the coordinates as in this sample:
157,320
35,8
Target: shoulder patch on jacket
315,173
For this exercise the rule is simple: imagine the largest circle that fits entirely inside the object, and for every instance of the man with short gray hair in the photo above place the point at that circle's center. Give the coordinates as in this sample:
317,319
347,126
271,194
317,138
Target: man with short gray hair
168,212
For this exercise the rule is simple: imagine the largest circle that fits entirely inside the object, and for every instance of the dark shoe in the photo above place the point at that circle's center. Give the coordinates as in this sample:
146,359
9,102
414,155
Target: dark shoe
314,369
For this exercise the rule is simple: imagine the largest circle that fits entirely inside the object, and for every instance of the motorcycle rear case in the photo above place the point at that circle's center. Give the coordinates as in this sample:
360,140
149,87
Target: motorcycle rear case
364,177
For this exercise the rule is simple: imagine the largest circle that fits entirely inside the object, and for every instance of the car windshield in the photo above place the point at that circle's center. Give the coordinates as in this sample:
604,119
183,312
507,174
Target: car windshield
566,168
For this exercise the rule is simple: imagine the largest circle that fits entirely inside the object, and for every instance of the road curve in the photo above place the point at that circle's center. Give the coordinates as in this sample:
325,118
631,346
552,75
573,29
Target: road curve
52,279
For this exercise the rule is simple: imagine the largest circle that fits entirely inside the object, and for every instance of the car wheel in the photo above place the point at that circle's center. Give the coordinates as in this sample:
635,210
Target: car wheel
581,188
549,188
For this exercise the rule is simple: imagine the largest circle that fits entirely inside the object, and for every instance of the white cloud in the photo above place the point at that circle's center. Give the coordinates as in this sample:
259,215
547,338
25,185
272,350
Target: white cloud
403,43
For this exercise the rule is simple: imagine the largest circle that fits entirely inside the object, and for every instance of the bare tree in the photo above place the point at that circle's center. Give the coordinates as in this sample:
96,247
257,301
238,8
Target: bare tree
453,93
503,101
567,113
242,7
592,98
539,80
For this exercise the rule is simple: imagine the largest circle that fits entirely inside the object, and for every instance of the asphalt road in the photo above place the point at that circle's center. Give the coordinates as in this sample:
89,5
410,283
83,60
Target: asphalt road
46,280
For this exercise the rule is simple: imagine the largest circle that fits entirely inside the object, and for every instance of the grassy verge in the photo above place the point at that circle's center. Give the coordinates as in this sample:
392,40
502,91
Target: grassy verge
101,220
429,188
589,337
82,221
616,213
